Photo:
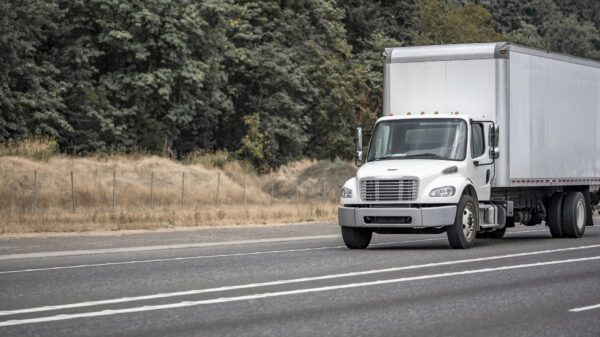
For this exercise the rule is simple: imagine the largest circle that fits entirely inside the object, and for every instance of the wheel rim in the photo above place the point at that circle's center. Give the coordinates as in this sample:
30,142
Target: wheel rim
580,214
468,222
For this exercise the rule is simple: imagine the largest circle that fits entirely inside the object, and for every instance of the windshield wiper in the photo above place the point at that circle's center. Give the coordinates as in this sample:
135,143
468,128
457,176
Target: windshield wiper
425,155
385,157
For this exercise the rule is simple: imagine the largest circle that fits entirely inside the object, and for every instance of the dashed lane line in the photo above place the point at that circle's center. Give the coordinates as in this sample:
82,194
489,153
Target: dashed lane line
591,307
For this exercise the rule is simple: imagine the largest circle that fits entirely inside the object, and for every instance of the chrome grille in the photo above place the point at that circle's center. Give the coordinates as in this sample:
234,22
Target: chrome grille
405,189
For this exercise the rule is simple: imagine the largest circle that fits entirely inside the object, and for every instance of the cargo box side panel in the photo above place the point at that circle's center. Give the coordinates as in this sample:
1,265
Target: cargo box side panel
554,118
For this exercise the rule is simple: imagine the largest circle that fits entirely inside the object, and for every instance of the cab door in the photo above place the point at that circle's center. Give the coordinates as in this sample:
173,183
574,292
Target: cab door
481,166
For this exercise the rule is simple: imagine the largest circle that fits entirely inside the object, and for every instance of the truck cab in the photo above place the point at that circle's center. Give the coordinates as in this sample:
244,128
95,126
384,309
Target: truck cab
423,174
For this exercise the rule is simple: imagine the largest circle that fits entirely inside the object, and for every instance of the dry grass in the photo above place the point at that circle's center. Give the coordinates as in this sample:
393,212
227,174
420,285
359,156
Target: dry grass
93,220
34,147
93,187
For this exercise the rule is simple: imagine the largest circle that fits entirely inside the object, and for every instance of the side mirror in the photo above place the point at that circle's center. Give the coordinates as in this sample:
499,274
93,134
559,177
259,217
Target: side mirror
359,143
494,136
494,153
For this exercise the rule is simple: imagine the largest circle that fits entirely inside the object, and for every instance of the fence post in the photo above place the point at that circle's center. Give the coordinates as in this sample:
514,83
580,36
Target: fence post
296,193
152,190
182,188
72,191
35,194
218,187
272,190
323,193
114,189
245,201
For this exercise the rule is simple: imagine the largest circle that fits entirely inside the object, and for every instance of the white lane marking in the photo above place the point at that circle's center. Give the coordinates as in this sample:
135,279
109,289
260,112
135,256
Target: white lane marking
590,307
223,255
280,282
159,247
281,293
199,257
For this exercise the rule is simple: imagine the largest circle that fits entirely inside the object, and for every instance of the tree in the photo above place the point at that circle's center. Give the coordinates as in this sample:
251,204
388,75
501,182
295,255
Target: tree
30,89
365,19
567,35
149,72
441,22
507,14
527,35
292,70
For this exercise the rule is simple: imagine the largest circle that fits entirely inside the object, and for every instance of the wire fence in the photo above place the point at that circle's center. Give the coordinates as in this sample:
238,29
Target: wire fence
37,191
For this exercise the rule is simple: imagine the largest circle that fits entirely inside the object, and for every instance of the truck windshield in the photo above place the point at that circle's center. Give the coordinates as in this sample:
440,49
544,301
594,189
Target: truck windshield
444,139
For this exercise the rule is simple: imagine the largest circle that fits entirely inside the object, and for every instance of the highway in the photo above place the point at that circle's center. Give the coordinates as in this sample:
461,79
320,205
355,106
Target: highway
299,280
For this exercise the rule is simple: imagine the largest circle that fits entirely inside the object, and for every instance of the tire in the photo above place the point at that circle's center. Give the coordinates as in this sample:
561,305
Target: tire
356,238
575,213
555,215
462,234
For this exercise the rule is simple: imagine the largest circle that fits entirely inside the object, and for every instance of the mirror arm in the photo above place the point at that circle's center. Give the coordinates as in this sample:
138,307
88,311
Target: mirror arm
359,146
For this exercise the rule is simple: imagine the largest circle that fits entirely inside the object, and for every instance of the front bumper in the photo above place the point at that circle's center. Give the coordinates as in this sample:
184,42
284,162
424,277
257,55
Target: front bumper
396,217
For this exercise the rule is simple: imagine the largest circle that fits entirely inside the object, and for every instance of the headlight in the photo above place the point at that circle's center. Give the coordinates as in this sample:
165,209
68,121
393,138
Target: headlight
346,193
446,191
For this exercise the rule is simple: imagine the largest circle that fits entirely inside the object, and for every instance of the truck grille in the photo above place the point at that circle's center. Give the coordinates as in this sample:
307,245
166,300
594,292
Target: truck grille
405,189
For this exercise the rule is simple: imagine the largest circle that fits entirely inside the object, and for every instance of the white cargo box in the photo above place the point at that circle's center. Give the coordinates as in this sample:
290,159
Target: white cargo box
547,105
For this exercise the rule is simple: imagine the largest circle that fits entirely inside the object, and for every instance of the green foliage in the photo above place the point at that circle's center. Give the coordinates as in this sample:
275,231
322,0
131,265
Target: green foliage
254,144
527,35
266,81
441,22
566,34
31,92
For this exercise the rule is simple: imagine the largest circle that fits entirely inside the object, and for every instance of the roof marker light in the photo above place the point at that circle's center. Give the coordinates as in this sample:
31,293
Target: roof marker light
456,113
422,112
435,112
408,113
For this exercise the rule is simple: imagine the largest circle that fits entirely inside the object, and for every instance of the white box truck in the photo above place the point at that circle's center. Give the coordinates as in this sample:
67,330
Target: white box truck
476,138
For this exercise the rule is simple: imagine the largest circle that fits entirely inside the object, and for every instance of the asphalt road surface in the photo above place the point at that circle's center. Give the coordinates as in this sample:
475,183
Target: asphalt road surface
299,280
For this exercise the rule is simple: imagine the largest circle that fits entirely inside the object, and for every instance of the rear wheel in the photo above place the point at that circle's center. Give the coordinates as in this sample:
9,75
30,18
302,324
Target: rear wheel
555,215
356,238
462,234
575,215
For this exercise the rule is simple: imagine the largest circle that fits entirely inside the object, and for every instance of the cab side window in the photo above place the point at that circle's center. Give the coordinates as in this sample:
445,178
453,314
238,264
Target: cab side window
477,142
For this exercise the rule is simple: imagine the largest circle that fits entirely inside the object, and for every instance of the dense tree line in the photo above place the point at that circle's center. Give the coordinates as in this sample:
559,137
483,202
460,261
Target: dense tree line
270,81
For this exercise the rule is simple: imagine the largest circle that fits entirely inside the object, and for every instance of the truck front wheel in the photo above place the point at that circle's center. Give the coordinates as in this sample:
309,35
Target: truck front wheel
462,234
356,238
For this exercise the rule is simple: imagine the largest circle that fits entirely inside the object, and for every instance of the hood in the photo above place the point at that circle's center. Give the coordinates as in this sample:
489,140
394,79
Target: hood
397,168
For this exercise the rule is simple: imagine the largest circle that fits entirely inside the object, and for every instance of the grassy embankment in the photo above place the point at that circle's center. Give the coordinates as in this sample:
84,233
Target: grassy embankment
93,191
